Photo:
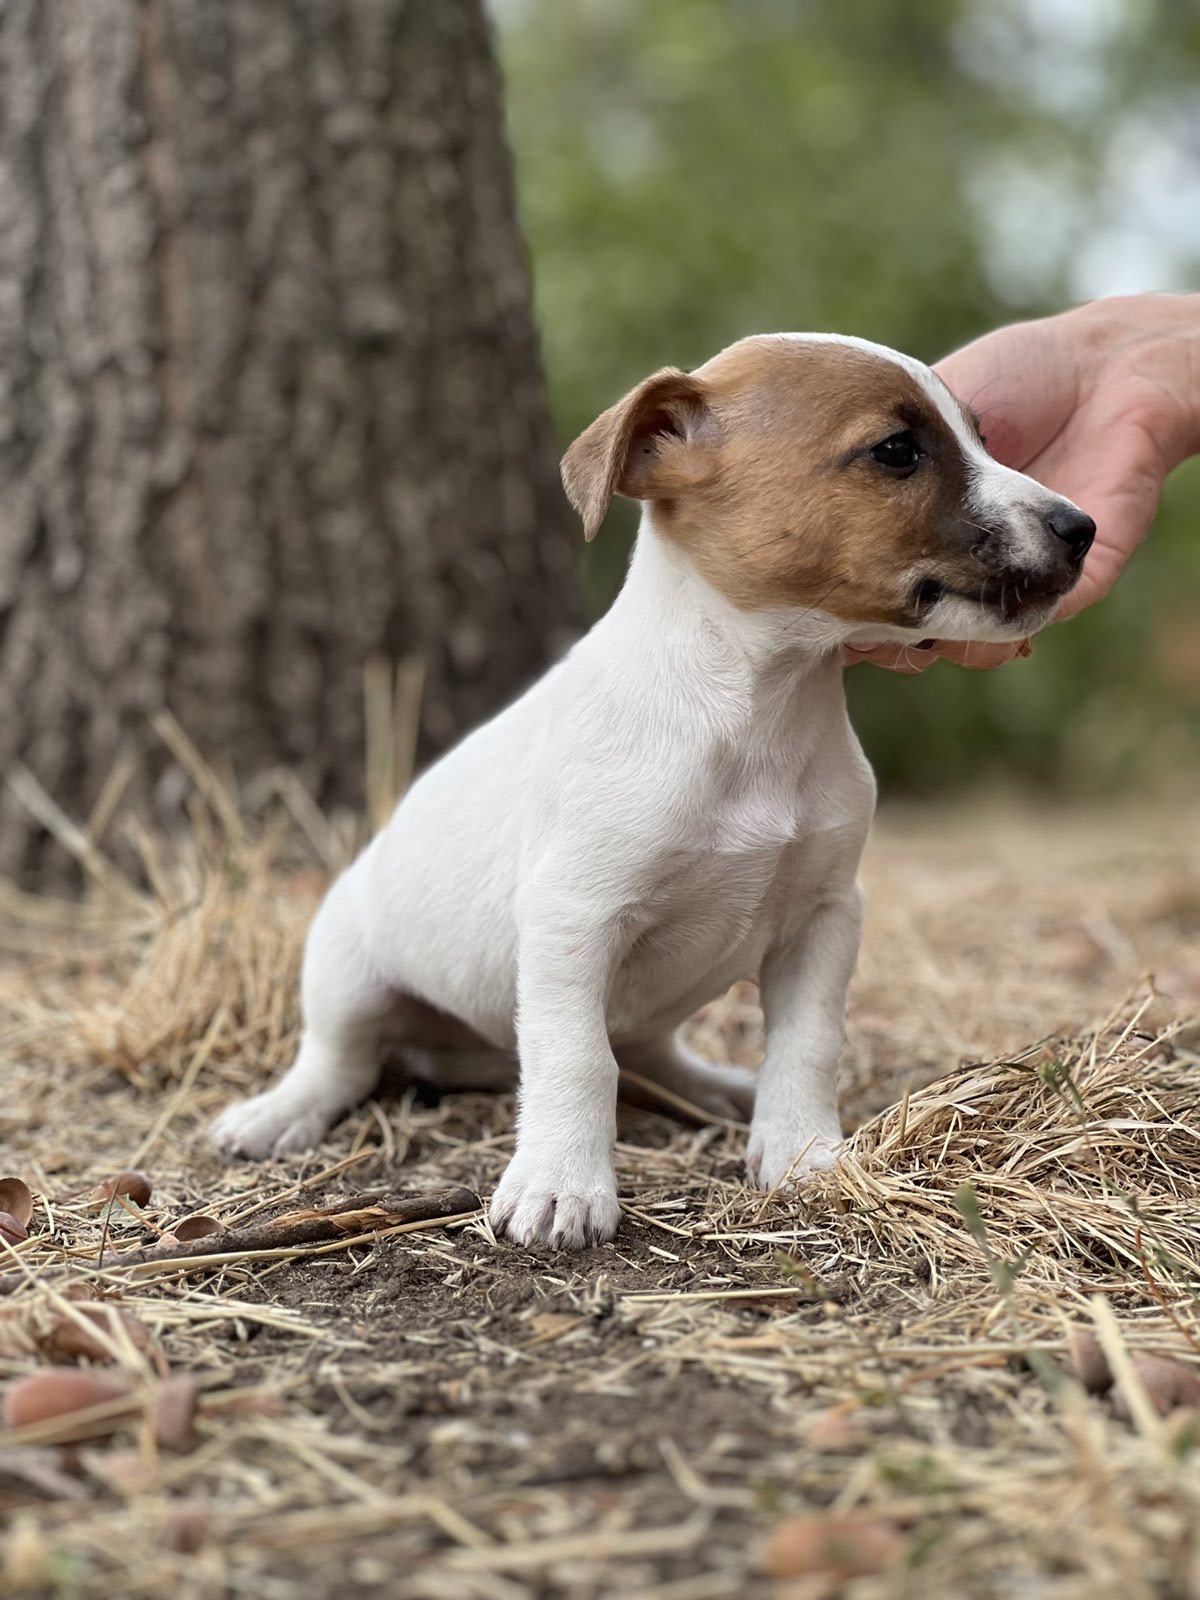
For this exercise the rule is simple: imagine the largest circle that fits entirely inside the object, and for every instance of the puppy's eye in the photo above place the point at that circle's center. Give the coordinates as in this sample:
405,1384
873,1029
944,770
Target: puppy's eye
899,453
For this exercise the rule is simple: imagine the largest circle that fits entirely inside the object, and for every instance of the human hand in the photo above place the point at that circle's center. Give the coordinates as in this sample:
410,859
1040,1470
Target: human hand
1100,404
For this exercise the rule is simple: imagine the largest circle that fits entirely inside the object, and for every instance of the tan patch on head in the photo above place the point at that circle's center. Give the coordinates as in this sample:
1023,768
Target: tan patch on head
797,513
758,466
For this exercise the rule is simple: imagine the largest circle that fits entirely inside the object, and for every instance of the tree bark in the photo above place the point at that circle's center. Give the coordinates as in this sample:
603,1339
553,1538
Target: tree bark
270,395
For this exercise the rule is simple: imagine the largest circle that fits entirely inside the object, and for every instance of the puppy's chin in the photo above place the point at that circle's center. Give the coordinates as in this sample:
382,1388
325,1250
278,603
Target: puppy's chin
963,621
960,622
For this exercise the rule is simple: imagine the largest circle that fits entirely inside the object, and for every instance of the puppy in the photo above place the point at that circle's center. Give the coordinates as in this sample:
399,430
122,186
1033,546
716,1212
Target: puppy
681,802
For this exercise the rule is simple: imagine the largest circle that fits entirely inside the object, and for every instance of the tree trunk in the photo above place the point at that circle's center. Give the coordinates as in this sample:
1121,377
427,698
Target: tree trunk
270,395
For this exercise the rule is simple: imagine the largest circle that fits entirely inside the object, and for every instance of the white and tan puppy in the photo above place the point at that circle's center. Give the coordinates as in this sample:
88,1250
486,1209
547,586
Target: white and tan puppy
681,802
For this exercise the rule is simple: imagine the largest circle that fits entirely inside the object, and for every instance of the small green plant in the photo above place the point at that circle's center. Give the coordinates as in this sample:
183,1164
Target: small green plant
920,1474
1056,1075
923,1543
1004,1275
787,1266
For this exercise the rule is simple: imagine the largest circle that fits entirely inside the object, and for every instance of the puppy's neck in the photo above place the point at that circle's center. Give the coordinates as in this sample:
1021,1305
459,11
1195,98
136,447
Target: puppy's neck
665,595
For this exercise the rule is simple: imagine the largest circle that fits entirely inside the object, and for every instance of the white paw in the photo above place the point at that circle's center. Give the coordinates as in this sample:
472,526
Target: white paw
779,1156
539,1205
274,1123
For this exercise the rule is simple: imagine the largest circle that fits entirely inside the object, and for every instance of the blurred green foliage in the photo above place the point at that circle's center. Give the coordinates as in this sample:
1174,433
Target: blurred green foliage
914,171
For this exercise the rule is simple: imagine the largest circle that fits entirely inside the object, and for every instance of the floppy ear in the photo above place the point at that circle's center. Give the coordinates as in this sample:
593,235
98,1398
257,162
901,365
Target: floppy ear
648,446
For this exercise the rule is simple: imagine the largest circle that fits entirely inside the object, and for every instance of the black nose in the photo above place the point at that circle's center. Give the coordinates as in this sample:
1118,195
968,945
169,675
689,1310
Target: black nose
1075,528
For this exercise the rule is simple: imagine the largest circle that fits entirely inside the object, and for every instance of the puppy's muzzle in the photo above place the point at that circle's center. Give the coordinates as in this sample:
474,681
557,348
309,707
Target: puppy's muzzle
1017,568
1013,593
1022,573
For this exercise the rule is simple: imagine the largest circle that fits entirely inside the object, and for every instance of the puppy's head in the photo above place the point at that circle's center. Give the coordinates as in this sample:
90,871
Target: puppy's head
833,475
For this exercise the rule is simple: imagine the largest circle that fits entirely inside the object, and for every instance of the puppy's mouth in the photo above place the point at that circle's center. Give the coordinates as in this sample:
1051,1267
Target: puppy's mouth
1009,597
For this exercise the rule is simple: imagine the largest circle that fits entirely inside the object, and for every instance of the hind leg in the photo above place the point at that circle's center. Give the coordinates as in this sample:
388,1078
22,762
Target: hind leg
719,1091
346,1008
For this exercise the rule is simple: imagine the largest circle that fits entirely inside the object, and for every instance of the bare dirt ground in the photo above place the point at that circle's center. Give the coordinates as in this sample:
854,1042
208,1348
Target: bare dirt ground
856,1390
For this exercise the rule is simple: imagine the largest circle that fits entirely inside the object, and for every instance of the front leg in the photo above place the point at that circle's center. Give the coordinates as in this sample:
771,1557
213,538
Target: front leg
795,1129
560,1187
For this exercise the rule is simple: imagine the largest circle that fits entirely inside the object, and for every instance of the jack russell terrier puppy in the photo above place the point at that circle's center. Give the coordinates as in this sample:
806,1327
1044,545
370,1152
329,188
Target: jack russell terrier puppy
681,802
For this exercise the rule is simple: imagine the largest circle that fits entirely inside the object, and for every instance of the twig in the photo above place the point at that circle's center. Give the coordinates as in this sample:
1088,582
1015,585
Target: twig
357,1216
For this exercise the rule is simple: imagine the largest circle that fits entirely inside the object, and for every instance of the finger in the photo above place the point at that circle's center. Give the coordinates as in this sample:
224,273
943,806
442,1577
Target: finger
1024,382
1121,491
910,659
982,657
903,658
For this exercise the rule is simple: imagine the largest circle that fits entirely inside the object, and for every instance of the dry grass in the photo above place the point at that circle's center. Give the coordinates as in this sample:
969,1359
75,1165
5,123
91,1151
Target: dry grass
420,1411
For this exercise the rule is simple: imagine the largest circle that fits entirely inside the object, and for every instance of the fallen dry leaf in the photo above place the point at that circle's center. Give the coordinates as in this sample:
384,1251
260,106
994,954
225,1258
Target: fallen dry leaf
1088,1361
10,1229
249,1403
80,1290
16,1198
175,1414
186,1231
1168,1383
56,1392
837,1431
36,1326
850,1546
198,1227
69,1338
135,1186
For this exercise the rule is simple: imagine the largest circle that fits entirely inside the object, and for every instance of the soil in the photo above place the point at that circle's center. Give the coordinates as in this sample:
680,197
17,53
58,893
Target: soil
439,1414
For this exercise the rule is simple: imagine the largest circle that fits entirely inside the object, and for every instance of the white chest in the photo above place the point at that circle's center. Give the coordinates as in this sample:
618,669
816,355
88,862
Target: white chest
749,877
